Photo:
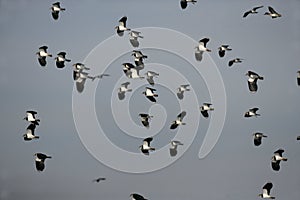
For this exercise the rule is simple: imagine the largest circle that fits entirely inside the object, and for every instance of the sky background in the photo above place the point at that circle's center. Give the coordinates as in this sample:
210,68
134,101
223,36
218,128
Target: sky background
234,170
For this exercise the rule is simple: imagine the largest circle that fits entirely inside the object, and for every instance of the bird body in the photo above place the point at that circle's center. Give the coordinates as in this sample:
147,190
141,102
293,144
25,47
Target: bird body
181,90
252,113
233,61
56,9
29,135
223,49
205,108
42,55
257,138
30,117
178,121
266,191
145,147
252,81
40,161
150,94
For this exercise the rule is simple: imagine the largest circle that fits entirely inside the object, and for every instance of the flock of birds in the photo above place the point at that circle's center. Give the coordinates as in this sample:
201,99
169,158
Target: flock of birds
132,71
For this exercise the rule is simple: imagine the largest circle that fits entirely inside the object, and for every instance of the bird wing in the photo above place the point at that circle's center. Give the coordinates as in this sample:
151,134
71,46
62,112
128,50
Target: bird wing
255,8
198,55
181,115
121,95
40,166
183,4
80,85
204,41
253,86
148,140
279,152
230,63
145,122
272,10
55,14
257,141
125,84
60,64
122,21
246,13
151,98
42,61
221,53
31,128
268,186
134,42
150,80
275,164
180,95
174,125
254,110
204,113
173,152
152,89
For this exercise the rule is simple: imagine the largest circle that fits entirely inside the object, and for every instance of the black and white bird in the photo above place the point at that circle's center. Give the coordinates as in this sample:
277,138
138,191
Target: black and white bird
272,13
201,48
257,138
181,90
184,3
205,108
40,161
134,38
122,26
222,49
276,159
145,147
135,196
252,11
234,61
150,94
266,190
123,89
252,113
79,67
29,134
80,77
298,78
30,117
56,9
61,59
42,55
139,58
150,77
173,148
178,121
98,180
145,118
252,81
131,71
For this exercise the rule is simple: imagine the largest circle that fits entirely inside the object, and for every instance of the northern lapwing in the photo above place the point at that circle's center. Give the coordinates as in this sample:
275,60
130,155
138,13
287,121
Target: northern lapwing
181,89
178,121
276,159
234,61
150,77
252,81
61,59
184,3
122,26
135,196
131,71
205,108
266,191
145,118
133,38
30,117
42,55
201,48
150,94
272,13
56,9
40,161
29,134
252,113
222,49
145,147
80,78
173,148
139,58
123,89
257,138
252,11
298,78
100,179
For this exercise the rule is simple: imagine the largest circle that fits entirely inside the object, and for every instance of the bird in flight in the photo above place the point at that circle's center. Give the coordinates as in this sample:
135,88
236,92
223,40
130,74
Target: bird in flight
145,118
123,89
29,135
178,121
181,89
222,49
252,81
233,61
30,117
173,148
42,55
201,48
257,138
252,113
150,77
135,196
266,191
40,161
150,94
56,9
252,11
205,108
272,13
122,26
145,147
61,59
276,159
98,180
133,38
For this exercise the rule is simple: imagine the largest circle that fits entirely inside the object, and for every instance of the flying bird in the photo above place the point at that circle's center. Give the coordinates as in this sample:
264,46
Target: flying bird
145,147
252,81
181,90
233,61
178,121
184,3
29,135
222,49
122,26
272,13
173,148
40,161
266,191
150,94
135,196
61,59
139,58
257,138
131,71
252,113
298,78
133,38
276,159
30,117
145,118
201,48
80,78
150,76
98,180
42,55
56,9
252,11
123,89
205,108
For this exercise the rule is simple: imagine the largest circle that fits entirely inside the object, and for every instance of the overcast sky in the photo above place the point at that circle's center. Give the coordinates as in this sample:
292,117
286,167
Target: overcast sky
233,170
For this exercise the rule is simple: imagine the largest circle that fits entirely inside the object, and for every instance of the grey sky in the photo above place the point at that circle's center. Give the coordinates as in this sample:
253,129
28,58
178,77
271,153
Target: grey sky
234,170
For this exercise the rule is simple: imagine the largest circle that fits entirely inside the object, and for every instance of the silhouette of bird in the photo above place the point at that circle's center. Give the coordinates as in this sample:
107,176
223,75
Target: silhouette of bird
276,159
97,180
205,108
298,78
201,48
145,119
133,38
252,113
145,147
222,49
266,191
252,81
122,26
173,148
233,61
178,120
181,90
135,196
56,9
61,59
150,77
29,135
123,89
272,13
40,161
150,94
42,55
30,117
257,138
252,11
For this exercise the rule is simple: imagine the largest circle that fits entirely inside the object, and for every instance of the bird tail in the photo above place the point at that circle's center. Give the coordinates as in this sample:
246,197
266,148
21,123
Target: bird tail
68,60
183,123
208,50
272,197
261,78
152,149
48,157
129,90
36,137
284,159
156,95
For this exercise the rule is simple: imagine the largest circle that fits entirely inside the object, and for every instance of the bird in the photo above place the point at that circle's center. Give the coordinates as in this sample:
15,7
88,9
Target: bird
181,89
222,50
131,71
29,135
56,9
80,77
201,48
276,159
298,78
205,108
272,13
30,117
257,138
178,120
252,112
252,11
133,38
233,61
139,58
173,148
298,137
40,161
42,55
79,67
135,196
97,180
184,3
122,26
266,191
252,81
145,147
150,94
145,119
61,59
123,89
150,76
